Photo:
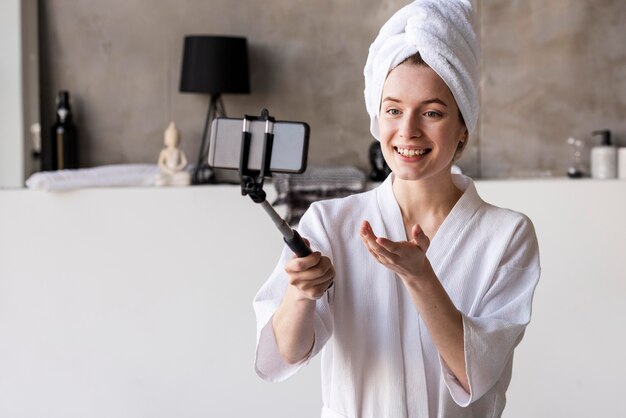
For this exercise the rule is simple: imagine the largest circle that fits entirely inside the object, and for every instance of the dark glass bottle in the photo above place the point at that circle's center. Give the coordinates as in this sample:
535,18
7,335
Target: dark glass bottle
61,151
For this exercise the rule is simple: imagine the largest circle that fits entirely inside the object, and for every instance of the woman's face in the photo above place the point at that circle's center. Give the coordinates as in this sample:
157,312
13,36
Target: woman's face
419,124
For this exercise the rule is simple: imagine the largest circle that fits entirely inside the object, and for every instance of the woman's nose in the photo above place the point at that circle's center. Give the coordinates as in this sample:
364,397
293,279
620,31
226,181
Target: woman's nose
411,127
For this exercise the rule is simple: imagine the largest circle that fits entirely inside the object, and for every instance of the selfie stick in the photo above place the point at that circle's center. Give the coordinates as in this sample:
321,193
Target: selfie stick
252,181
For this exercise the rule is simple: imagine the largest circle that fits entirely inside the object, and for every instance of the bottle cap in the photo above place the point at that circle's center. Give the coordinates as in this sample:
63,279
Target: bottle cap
606,136
63,99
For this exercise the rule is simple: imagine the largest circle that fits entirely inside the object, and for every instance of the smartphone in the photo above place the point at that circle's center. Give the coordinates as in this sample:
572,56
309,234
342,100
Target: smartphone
289,150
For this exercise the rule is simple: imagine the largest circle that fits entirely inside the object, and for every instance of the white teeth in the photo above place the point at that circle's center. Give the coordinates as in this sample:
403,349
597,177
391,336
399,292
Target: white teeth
410,152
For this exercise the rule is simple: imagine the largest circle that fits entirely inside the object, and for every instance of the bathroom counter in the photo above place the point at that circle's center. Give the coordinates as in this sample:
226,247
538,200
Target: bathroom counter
137,302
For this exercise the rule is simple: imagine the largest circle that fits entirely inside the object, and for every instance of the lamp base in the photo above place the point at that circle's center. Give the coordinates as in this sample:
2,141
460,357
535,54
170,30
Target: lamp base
203,174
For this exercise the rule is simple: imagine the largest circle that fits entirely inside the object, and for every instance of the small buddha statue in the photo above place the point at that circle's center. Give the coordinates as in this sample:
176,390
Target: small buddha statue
172,161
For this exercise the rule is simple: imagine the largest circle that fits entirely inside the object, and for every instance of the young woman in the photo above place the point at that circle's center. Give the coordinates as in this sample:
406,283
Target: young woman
432,287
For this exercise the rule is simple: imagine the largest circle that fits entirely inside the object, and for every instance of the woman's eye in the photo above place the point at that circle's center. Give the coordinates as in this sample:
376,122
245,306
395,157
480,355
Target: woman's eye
432,114
393,112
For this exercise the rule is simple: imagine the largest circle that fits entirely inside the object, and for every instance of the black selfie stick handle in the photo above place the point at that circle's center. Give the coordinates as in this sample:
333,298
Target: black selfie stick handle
297,244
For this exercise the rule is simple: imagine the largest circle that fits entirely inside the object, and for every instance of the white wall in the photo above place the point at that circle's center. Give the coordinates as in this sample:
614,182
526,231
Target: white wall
19,89
11,136
137,303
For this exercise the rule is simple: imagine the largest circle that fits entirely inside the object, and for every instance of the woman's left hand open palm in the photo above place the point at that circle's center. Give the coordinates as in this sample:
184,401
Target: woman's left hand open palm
405,258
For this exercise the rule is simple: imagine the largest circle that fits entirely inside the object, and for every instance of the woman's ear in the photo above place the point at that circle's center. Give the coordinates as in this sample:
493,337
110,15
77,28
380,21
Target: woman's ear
463,139
461,145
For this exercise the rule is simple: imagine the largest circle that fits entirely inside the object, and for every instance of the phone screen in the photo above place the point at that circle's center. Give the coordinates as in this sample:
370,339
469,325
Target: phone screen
289,151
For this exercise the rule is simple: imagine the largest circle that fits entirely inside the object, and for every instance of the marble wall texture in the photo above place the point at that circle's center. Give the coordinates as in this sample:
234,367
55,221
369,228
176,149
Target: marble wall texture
550,70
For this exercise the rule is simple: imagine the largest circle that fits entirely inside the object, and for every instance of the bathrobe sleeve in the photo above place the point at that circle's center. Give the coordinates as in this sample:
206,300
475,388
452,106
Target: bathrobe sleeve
497,325
269,364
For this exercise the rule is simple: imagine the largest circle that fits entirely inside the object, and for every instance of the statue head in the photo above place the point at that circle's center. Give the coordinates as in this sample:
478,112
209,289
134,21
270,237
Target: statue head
172,135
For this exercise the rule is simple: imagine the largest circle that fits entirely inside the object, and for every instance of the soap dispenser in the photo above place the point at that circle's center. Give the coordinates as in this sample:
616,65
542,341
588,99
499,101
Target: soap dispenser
604,157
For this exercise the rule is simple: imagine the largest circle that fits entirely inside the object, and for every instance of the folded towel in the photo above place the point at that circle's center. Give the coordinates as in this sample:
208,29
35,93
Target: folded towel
298,191
442,32
103,176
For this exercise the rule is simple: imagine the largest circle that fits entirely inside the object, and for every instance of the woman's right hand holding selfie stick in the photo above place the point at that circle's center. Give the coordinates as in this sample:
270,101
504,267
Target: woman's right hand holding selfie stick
309,278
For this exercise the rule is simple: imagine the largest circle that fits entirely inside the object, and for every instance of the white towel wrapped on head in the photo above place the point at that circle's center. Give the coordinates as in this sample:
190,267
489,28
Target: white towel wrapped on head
442,32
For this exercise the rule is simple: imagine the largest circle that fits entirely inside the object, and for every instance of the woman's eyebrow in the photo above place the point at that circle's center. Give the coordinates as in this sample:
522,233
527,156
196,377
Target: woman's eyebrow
429,101
391,99
425,102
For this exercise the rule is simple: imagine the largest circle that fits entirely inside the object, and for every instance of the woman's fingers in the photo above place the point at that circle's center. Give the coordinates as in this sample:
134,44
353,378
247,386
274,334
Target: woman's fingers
311,275
298,264
406,258
363,227
373,244
420,237
367,235
388,251
369,249
313,287
326,278
388,245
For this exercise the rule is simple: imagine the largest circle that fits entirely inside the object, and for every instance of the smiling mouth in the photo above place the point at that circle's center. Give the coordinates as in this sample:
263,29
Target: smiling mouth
406,152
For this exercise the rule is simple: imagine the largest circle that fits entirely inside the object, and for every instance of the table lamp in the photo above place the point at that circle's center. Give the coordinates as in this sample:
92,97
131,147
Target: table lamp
214,65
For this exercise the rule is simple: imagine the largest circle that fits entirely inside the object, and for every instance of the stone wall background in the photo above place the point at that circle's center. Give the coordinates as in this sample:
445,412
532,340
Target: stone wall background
550,70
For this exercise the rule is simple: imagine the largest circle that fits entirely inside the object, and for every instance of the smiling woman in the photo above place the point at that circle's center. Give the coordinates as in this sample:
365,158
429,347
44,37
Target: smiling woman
432,286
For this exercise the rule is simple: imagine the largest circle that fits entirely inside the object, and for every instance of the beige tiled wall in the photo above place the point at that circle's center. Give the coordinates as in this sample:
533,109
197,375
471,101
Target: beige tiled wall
550,70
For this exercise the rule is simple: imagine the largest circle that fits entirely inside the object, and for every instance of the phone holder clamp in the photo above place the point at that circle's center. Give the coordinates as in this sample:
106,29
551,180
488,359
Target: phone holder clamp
252,180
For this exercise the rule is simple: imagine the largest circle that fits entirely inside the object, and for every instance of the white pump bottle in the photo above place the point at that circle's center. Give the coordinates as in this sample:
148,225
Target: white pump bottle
604,157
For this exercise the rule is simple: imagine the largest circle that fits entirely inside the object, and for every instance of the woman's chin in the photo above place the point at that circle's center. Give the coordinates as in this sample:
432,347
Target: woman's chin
417,175
408,176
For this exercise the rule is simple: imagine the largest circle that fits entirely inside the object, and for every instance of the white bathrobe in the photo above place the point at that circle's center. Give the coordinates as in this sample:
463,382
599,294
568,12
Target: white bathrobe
378,359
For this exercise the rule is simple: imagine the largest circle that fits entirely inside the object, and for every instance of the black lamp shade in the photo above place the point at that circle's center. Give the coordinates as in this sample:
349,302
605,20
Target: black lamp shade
215,65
